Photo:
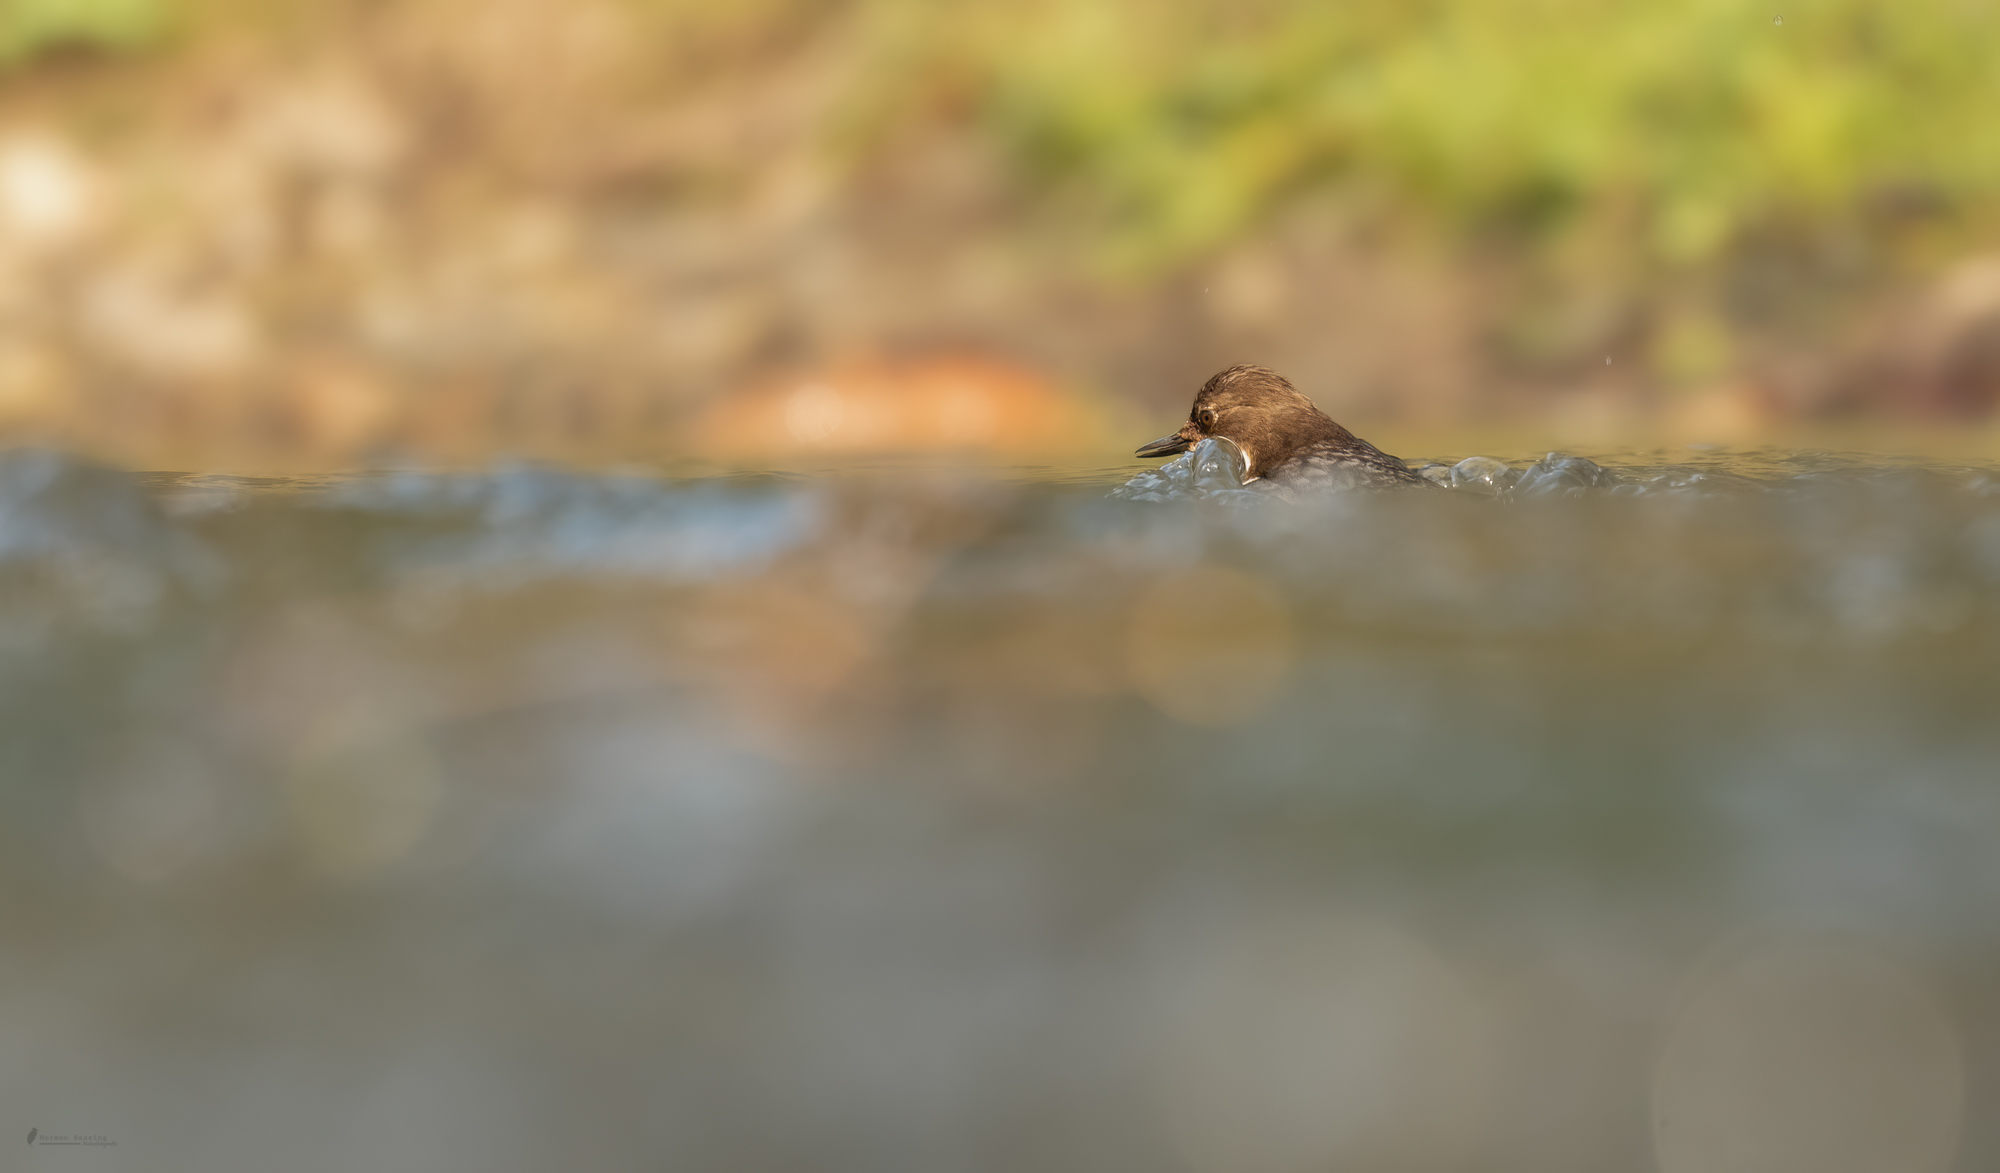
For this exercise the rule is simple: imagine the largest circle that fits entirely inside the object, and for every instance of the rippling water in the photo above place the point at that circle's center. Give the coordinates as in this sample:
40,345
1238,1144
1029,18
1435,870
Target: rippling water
1583,816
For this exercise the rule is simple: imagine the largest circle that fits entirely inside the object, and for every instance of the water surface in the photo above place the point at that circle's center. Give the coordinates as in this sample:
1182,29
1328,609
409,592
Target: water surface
531,818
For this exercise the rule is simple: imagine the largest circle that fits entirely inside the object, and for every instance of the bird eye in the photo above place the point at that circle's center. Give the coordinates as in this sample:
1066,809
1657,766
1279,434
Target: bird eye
1207,419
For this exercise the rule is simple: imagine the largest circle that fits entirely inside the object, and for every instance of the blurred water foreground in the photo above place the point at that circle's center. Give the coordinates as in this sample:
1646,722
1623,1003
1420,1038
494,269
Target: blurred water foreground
531,819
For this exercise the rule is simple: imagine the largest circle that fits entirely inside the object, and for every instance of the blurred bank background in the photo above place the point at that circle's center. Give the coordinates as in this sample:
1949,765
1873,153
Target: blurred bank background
561,604
320,231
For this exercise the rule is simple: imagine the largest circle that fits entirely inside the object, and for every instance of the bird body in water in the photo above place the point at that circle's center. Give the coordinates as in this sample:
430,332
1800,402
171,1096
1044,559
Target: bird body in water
1288,445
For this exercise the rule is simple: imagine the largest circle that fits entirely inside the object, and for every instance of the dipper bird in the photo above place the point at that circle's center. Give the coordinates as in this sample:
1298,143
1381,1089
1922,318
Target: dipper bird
1288,444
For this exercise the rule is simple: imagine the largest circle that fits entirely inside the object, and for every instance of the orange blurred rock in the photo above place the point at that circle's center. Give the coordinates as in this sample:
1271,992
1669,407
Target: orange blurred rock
1944,360
35,387
339,408
1726,413
943,403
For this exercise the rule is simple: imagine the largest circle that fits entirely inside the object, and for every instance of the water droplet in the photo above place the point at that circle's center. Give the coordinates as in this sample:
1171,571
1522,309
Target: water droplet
1219,464
1777,20
1607,360
1483,474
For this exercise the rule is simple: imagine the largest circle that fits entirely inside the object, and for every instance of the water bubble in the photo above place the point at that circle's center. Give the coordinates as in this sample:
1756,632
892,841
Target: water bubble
1557,472
1214,466
1483,474
1219,464
1777,20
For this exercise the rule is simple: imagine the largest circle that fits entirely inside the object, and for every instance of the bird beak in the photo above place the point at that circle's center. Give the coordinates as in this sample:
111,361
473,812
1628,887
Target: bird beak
1180,441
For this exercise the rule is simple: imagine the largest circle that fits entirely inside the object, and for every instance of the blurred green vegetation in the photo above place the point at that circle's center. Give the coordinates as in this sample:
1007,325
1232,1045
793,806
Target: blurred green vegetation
1710,192
1660,135
1667,132
29,28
